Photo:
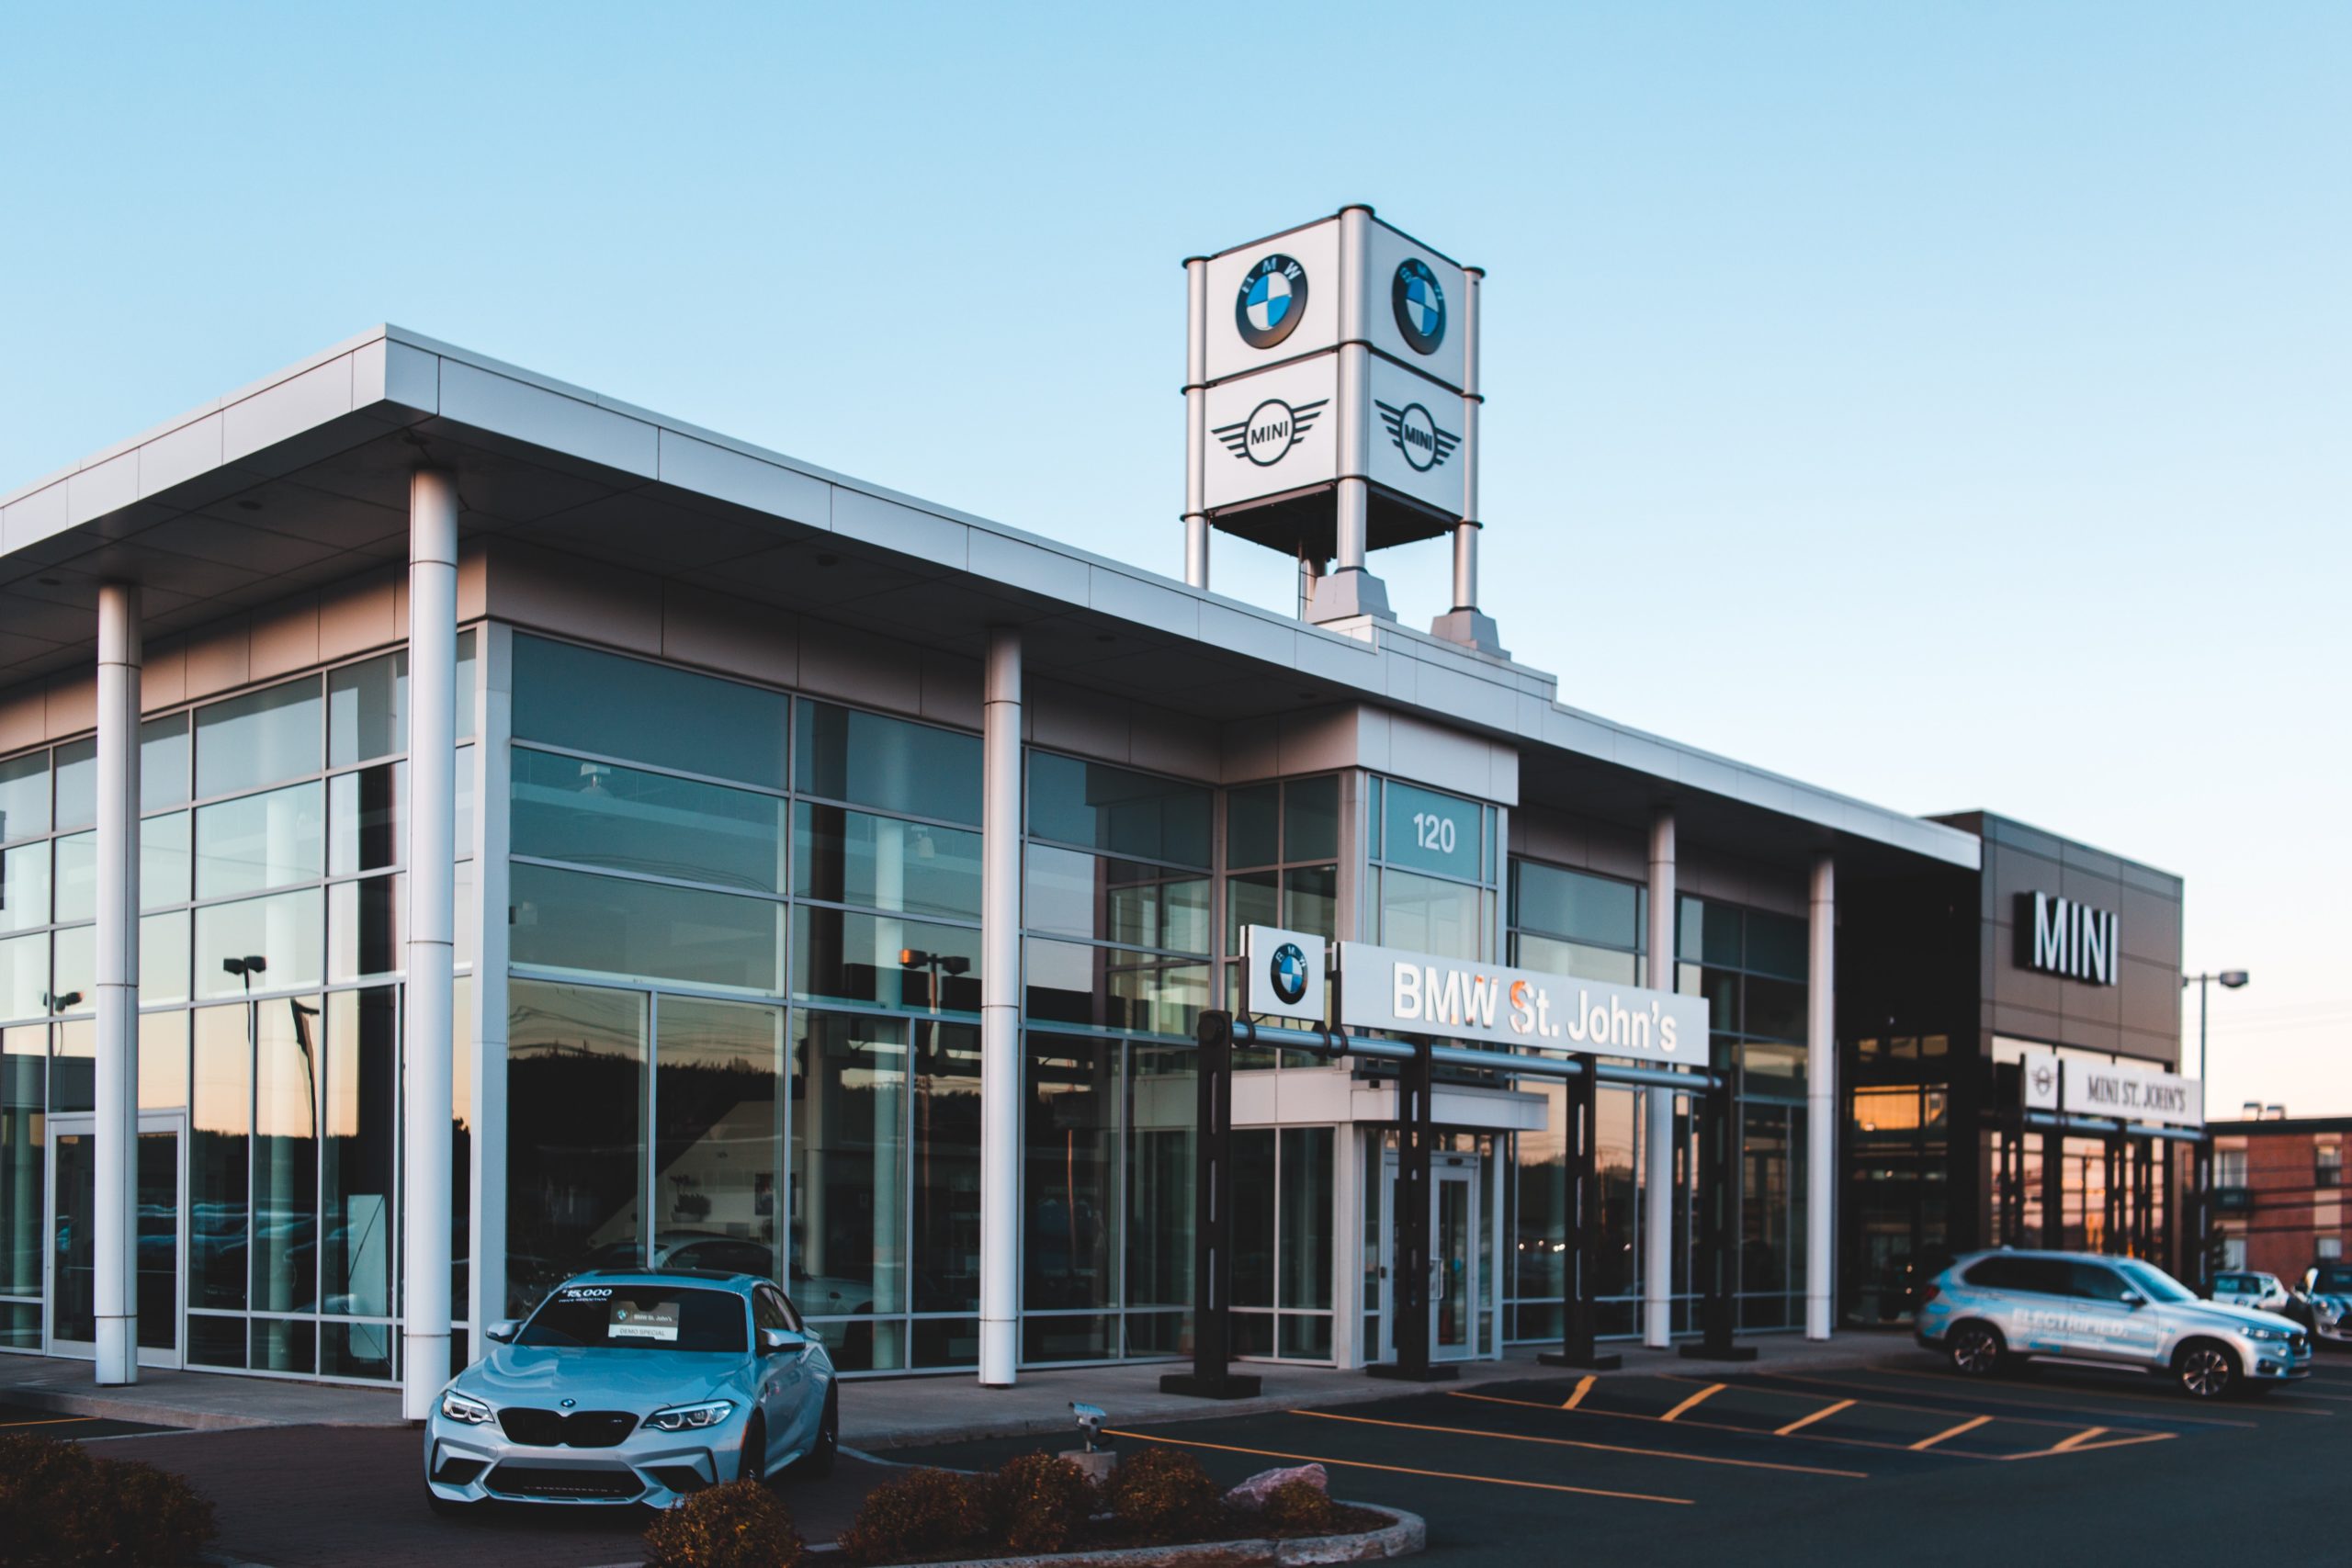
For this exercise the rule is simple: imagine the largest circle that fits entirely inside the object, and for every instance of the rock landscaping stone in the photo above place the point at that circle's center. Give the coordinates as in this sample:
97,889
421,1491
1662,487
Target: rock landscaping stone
1251,1494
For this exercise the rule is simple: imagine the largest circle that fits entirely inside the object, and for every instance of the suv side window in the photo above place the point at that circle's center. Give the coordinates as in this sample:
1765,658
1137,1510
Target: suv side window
2095,1282
2045,1276
1995,1274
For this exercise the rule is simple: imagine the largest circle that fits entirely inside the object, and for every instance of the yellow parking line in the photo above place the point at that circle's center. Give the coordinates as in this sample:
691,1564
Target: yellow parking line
1700,1397
1802,1422
2078,1439
1708,1426
1584,1386
2173,1401
1968,1426
1598,1448
2094,1448
1973,1395
1406,1469
51,1421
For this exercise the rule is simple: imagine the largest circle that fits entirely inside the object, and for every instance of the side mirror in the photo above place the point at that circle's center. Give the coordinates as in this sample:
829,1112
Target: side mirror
2134,1300
784,1342
504,1331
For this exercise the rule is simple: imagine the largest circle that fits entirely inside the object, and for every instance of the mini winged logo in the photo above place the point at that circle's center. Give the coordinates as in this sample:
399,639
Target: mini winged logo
1417,436
1272,428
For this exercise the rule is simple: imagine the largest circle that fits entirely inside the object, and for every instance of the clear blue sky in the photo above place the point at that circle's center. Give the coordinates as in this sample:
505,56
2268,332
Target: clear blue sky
1950,405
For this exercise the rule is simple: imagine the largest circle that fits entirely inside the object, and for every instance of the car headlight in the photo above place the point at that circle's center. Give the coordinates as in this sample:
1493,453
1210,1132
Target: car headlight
690,1417
2269,1333
472,1412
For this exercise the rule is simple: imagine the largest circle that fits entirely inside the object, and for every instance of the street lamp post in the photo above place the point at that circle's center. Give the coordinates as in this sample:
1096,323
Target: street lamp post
2231,980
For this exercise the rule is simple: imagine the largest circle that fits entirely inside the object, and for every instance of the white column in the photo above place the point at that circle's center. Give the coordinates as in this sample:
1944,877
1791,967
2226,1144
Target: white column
1821,1101
1196,421
1657,1210
1352,590
1000,1014
115,1228
431,951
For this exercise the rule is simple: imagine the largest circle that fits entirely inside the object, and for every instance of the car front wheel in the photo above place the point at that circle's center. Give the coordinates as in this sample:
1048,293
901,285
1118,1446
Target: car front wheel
2206,1370
1976,1350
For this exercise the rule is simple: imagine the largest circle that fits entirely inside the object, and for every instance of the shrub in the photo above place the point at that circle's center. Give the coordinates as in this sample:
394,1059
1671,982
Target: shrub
1299,1508
1162,1492
1036,1503
921,1514
61,1508
740,1525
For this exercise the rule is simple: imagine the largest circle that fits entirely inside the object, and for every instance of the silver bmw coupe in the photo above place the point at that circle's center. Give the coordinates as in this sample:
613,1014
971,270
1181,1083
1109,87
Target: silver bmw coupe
635,1388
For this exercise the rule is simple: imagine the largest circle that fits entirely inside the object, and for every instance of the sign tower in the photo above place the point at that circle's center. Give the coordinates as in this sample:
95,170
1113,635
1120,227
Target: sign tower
1331,409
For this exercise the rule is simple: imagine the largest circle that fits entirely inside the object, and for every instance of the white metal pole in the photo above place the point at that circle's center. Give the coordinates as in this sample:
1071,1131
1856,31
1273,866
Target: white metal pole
1821,1101
1196,421
114,1240
432,930
999,1013
1657,1206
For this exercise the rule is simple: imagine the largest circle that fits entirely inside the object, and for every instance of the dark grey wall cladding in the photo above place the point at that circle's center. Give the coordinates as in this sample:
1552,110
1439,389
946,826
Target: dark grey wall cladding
2140,1015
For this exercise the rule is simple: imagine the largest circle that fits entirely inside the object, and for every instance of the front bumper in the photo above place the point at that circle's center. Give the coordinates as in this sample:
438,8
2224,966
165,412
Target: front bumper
467,1463
2272,1360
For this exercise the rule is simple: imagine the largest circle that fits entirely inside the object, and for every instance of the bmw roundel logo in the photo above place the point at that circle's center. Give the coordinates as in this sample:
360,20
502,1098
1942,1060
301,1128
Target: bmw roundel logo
567,1403
1419,305
1288,972
1273,296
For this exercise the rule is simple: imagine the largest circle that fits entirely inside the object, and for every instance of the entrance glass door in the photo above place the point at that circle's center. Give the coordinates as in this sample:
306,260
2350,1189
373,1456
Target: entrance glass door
1457,1286
73,1281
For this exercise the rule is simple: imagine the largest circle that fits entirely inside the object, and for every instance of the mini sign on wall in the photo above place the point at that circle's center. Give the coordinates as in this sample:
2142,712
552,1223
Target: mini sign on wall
2059,936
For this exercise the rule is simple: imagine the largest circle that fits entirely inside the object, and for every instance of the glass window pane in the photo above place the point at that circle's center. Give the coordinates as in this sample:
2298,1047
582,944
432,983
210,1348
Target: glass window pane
1250,900
24,795
1252,826
1058,891
163,762
257,738
1070,1173
465,692
24,976
366,820
364,927
24,1088
1776,1009
1105,988
1311,899
1423,915
850,1168
1777,944
77,784
1307,1195
1721,930
848,857
163,1061
1095,805
568,920
575,1173
259,840
1115,900
589,701
884,962
597,814
889,763
77,877
718,1166
1311,818
946,1248
163,958
1575,959
283,931
72,1065
1574,905
24,887
164,861
1430,831
367,710
220,1119
1255,1182
1162,1107
286,1154
461,1137
75,981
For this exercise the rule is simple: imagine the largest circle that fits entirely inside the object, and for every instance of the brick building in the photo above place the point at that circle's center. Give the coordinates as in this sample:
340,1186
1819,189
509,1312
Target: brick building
2279,1192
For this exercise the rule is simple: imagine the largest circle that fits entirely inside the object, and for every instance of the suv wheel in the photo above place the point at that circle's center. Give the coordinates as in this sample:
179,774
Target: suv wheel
2206,1370
1975,1349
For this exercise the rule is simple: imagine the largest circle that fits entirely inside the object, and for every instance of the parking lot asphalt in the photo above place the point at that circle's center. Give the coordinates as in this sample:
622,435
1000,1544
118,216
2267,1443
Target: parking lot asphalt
56,1423
1896,1460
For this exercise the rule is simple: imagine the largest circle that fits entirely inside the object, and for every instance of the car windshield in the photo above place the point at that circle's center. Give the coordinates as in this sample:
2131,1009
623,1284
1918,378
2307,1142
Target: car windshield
2235,1282
2335,1279
2154,1282
639,1318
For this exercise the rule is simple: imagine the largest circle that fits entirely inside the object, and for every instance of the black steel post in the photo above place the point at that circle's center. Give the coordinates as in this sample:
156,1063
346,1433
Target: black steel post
2200,1231
1719,1206
1409,1291
1213,1224
2053,1189
1580,1265
2111,1200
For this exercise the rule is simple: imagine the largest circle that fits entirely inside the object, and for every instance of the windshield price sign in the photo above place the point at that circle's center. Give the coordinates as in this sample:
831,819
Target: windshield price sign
634,1320
1414,993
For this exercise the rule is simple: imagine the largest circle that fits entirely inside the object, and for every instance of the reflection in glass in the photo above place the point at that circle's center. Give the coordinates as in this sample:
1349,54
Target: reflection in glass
163,762
1311,818
850,1176
77,877
946,1180
600,814
359,1160
1095,805
569,920
1072,894
885,961
1253,825
848,857
364,821
259,840
24,1061
716,1164
75,984
368,709
1576,959
575,1097
602,702
1070,1173
890,764
72,1065
284,929
257,738
219,1123
364,927
24,887
77,784
24,795
1107,989
1421,914
1311,899
1162,1107
286,1154
165,859
163,1061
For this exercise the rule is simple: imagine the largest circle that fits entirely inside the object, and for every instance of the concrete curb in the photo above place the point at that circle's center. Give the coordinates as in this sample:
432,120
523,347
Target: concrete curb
1407,1533
145,1412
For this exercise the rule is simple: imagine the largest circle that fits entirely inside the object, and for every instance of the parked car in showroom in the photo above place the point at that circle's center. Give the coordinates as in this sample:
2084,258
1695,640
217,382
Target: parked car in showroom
636,1387
2250,1288
1991,1310
2322,1301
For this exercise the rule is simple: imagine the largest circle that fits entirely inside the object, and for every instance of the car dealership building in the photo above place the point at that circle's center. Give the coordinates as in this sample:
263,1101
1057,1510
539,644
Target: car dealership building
449,815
